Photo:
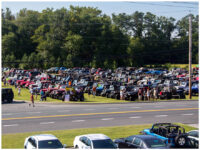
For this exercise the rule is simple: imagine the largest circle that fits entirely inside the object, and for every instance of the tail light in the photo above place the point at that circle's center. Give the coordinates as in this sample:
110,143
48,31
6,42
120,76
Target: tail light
168,140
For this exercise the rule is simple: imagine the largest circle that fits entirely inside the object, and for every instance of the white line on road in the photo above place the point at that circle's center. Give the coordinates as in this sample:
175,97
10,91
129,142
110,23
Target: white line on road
34,112
135,117
107,119
47,122
161,115
158,106
89,109
187,114
63,110
10,125
6,114
113,108
78,120
135,107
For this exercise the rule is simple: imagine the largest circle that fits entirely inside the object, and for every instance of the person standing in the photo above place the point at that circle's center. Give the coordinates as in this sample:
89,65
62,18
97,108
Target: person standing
94,91
42,95
19,91
155,93
140,94
4,81
148,94
121,95
32,100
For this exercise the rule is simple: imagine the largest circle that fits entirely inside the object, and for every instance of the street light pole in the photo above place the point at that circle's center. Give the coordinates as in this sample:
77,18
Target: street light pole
190,57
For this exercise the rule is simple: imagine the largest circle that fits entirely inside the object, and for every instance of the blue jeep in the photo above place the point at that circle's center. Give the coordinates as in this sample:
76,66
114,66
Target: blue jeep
171,134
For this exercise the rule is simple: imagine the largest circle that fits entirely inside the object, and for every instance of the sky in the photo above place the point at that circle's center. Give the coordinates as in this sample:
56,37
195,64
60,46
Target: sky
168,9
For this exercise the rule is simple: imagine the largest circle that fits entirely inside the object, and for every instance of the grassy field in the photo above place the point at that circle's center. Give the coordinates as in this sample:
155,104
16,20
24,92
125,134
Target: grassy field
25,96
169,66
11,141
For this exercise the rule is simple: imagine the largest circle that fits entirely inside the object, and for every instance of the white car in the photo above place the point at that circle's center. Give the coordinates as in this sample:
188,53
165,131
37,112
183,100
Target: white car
94,141
43,141
193,135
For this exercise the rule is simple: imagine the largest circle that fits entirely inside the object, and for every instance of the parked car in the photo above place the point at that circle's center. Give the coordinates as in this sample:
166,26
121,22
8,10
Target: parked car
43,141
194,138
173,135
7,95
141,142
94,141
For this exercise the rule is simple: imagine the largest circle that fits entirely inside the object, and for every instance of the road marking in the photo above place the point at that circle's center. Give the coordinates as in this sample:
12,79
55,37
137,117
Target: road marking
107,119
135,107
34,112
113,108
103,113
187,114
161,115
78,120
135,117
10,125
6,114
47,122
63,110
89,109
158,106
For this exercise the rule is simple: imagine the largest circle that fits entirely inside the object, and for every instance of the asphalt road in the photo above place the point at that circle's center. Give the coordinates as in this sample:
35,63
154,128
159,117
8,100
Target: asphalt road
19,117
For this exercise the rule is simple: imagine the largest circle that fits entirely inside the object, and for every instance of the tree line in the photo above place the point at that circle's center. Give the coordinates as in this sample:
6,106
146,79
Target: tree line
85,37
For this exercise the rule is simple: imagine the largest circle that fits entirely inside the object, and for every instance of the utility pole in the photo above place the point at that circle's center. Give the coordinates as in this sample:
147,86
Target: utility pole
190,57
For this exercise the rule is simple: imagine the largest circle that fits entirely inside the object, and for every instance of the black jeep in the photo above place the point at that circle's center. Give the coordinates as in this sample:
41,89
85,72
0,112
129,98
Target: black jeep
7,95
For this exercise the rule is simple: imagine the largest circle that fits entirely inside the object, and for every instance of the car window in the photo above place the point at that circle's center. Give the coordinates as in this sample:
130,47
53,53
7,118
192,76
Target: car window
155,143
193,133
137,141
32,142
103,144
83,139
129,139
88,142
50,144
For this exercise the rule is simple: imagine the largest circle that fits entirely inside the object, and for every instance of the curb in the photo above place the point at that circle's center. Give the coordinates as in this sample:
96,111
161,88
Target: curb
103,103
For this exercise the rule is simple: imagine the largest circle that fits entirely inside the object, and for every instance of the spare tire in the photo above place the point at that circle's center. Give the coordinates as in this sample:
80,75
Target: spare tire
181,141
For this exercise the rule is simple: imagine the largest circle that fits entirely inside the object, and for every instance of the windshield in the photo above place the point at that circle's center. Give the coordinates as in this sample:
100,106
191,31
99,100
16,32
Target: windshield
50,144
104,144
154,143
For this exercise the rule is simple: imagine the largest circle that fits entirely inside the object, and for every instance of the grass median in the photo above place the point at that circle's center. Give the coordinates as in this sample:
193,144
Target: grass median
25,96
13,141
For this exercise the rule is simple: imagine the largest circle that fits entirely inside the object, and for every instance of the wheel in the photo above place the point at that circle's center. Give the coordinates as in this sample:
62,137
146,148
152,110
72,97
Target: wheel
76,147
196,145
180,141
10,100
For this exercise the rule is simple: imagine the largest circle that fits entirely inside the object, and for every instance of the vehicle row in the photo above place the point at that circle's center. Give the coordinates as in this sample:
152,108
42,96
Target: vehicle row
160,136
121,83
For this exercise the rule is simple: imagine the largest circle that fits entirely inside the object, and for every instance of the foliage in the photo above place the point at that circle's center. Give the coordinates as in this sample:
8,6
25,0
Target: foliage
85,37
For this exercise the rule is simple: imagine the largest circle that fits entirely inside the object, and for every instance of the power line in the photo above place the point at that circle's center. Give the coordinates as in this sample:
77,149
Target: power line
165,5
190,3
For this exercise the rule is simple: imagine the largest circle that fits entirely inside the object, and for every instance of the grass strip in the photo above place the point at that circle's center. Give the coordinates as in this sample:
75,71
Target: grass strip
14,141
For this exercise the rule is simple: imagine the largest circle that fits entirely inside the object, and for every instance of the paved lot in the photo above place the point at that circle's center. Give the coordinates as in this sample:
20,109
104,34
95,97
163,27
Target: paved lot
19,117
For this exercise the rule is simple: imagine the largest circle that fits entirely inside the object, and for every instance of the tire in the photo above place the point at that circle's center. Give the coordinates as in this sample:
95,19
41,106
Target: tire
76,147
196,144
181,141
10,100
